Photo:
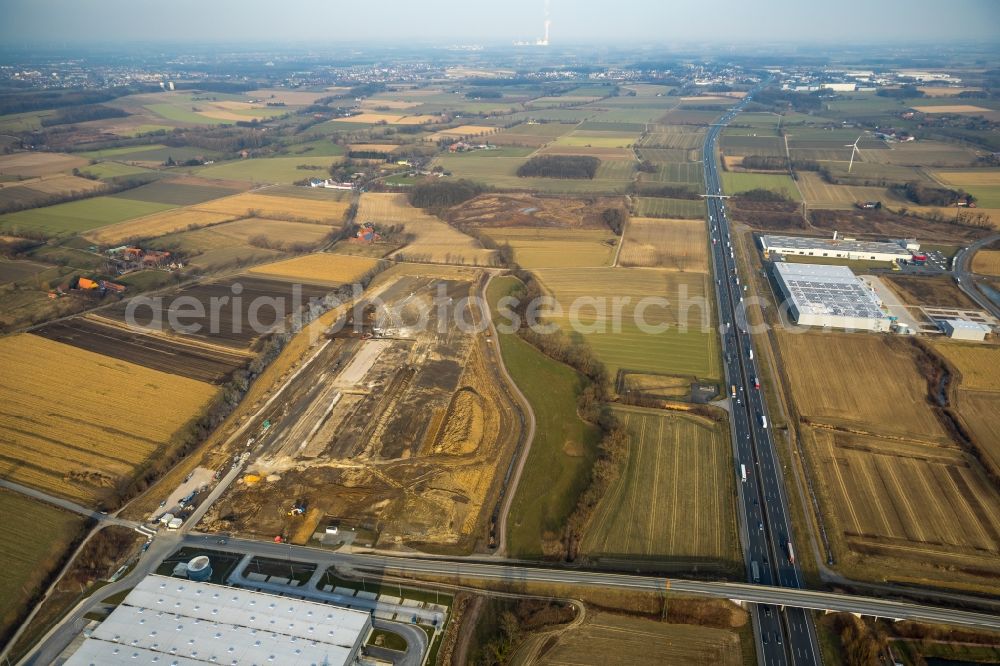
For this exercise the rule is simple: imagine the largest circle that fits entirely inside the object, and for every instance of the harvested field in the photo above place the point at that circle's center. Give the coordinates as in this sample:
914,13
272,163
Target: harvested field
384,148
534,135
175,355
869,384
274,170
678,336
279,208
463,131
252,234
671,208
57,184
923,154
634,640
685,137
153,226
978,364
674,498
388,119
322,268
556,248
980,413
34,537
680,245
600,152
901,510
932,290
262,306
820,194
103,418
178,191
986,262
35,164
979,177
434,241
526,210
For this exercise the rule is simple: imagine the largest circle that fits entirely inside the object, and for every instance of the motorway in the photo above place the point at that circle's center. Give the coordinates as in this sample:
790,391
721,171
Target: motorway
784,636
966,279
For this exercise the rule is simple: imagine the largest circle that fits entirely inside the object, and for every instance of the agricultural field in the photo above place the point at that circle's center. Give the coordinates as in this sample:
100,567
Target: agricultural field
77,216
37,164
175,355
674,499
679,339
686,137
531,135
922,154
556,248
763,146
634,640
909,511
258,204
684,174
274,170
321,268
562,451
735,183
379,117
178,192
527,210
818,193
34,537
501,172
155,225
36,191
463,132
434,241
986,262
982,184
111,170
680,245
232,323
870,384
671,208
81,449
241,242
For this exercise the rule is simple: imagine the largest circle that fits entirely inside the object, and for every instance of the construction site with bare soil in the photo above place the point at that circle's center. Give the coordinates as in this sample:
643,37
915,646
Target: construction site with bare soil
396,436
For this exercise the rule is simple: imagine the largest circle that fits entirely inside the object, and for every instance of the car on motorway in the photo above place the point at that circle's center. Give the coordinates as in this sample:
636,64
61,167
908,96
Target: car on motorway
777,637
760,525
765,638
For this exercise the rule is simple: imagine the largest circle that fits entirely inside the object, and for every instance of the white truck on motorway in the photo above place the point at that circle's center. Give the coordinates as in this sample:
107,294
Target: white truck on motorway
763,421
743,473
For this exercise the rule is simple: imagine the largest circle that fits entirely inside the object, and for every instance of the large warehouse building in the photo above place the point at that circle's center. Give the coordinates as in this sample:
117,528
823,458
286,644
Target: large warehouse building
829,296
176,621
839,248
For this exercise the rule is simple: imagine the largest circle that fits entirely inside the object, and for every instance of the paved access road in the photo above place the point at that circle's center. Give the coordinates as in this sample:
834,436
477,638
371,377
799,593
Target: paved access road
784,636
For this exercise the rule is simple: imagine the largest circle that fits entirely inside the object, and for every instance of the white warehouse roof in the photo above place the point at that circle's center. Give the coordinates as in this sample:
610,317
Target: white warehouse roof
176,621
805,243
828,290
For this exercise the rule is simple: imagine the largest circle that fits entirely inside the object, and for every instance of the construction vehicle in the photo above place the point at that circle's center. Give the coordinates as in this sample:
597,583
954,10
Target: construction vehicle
298,509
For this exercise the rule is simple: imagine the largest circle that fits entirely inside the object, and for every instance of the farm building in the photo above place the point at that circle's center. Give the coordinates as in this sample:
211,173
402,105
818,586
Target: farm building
959,329
181,621
829,296
838,248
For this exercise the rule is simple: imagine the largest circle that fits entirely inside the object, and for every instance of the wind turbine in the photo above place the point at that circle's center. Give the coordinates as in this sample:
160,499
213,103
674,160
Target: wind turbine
854,150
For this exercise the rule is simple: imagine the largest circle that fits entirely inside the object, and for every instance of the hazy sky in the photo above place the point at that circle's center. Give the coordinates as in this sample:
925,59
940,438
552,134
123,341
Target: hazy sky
492,21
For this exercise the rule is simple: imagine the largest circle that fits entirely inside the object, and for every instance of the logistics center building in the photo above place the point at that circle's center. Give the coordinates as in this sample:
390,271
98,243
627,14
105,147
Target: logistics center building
829,296
175,621
838,248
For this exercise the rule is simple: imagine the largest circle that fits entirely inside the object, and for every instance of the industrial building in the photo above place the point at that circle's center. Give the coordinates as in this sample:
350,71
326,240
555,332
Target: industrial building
176,621
960,329
841,248
830,296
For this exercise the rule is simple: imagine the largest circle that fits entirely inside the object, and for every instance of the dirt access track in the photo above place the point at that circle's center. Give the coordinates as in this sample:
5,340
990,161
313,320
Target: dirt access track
404,436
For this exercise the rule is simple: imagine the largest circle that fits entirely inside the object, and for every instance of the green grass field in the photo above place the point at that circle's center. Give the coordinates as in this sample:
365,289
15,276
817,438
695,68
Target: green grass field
34,538
624,344
108,170
78,216
671,208
564,446
675,496
277,170
178,194
734,183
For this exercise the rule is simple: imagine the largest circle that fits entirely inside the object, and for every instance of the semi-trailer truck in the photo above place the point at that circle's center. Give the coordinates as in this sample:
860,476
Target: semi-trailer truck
733,389
756,571
743,473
